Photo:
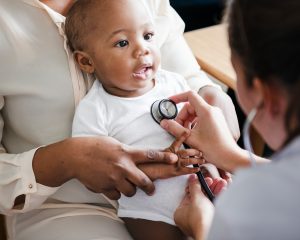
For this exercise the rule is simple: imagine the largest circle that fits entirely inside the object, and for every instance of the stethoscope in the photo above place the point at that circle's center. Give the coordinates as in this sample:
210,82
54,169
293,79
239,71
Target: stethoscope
167,109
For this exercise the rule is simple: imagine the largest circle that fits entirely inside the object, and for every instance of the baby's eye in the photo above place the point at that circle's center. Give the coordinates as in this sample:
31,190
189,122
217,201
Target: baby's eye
148,36
122,43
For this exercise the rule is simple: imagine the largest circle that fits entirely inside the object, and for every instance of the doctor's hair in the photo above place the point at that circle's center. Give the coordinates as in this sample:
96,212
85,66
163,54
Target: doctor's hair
265,36
80,22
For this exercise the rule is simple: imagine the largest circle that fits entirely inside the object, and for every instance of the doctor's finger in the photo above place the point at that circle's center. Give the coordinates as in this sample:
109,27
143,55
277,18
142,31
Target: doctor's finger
217,185
186,115
225,175
194,188
198,103
174,128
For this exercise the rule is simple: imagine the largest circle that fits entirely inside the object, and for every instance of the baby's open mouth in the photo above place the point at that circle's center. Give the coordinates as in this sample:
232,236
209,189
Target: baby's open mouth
142,72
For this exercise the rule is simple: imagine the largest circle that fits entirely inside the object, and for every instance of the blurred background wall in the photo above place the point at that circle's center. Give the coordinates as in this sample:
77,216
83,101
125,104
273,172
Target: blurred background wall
199,13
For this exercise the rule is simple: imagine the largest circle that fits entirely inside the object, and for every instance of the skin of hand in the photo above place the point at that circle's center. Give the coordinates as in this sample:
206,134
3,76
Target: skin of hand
210,133
186,157
60,6
195,212
102,164
216,97
207,173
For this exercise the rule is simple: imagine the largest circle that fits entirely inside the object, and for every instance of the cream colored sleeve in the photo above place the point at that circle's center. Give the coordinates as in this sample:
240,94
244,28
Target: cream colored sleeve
176,54
17,178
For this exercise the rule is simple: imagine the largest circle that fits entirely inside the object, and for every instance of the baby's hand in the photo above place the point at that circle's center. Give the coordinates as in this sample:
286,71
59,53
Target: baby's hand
186,158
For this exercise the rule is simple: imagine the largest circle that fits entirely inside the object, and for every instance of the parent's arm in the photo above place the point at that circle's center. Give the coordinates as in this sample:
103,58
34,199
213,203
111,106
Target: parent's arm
102,164
27,179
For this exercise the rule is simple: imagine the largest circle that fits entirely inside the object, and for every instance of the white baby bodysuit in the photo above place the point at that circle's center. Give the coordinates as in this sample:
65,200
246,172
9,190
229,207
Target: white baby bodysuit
129,121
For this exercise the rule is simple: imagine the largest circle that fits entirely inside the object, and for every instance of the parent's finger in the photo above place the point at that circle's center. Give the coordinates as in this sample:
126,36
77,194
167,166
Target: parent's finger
155,156
112,194
140,179
126,187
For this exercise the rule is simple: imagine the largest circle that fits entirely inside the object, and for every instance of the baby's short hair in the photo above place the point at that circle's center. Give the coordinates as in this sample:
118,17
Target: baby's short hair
79,22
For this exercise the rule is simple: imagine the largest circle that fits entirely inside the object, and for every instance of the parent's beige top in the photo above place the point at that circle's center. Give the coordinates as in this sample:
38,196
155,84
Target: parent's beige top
40,87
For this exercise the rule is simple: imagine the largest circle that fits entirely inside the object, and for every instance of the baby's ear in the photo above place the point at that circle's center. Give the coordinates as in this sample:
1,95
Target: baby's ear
84,61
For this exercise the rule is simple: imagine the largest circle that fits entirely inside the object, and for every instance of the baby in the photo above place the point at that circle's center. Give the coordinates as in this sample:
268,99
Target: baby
115,41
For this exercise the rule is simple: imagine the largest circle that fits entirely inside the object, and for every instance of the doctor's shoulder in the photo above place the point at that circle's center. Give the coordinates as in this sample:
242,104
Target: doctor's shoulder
263,201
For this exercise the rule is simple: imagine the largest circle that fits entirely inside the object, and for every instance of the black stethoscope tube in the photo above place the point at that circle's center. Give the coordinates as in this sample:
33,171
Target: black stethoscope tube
202,181
157,115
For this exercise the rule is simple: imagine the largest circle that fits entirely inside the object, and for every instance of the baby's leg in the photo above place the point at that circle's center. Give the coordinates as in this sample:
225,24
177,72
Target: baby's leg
141,229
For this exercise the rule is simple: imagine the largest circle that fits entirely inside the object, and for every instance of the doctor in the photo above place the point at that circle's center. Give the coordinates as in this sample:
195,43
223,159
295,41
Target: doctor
263,200
49,182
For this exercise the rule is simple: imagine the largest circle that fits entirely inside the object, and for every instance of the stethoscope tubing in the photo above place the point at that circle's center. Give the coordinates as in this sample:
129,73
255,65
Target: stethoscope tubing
156,112
202,181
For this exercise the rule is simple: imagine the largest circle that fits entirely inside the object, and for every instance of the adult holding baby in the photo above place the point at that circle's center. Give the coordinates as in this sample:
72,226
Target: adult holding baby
41,85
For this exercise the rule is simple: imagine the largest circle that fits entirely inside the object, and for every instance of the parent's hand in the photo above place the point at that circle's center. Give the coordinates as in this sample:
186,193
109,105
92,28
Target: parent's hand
210,133
109,167
186,158
102,164
216,97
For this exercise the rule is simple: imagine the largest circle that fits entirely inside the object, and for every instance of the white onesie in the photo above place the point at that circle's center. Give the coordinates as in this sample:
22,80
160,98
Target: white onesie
129,121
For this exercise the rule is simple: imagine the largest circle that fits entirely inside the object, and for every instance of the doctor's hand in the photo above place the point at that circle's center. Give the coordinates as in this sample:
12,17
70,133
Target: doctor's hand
195,212
210,133
216,97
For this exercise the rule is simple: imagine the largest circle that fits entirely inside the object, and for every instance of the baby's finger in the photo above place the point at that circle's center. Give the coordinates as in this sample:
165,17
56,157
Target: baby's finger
187,170
184,162
175,146
186,153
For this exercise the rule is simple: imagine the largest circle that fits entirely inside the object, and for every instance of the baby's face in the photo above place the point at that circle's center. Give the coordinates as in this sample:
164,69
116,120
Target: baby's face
123,49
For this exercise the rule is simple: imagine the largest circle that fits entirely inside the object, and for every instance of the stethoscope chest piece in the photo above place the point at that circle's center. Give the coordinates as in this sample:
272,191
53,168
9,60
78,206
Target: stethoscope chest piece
163,109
